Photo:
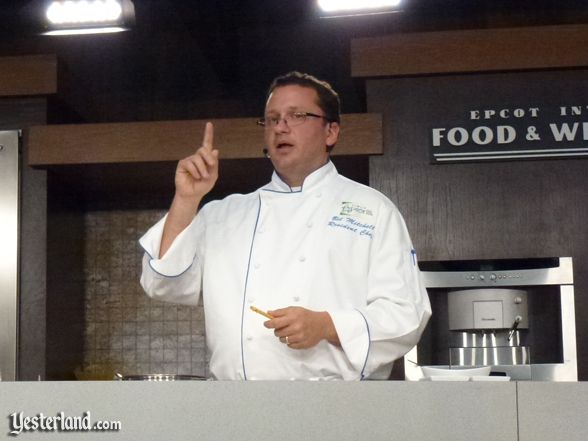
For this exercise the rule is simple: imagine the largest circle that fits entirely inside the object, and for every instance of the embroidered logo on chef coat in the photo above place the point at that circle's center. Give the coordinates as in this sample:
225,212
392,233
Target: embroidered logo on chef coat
354,218
355,211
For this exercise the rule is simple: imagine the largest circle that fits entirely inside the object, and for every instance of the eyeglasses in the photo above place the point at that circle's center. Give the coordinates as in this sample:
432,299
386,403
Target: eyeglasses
291,119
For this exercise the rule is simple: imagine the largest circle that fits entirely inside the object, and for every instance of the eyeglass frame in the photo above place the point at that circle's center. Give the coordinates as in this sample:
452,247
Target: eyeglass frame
262,121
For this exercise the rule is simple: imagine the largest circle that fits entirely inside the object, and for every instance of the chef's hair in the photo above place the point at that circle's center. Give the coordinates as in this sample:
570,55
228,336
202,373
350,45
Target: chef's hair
328,99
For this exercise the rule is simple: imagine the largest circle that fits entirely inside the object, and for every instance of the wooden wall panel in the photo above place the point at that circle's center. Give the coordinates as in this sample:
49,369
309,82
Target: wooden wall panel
28,75
502,49
172,140
493,210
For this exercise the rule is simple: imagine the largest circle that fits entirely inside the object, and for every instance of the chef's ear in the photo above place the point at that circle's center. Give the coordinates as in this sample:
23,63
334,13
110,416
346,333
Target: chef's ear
332,135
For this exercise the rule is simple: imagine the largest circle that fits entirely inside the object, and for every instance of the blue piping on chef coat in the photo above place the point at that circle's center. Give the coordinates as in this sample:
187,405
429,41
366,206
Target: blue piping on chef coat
284,192
361,375
157,272
245,287
249,267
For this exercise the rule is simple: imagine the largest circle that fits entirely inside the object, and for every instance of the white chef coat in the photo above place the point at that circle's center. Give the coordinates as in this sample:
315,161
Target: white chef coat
333,245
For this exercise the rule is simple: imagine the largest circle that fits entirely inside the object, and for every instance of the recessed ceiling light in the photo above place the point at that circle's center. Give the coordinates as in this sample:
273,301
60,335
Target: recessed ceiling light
358,6
68,17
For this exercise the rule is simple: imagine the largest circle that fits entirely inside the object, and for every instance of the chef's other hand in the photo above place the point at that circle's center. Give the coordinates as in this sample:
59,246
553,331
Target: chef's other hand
197,174
303,327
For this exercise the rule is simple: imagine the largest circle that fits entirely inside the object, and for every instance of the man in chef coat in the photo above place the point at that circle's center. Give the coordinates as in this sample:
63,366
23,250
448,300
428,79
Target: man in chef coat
329,259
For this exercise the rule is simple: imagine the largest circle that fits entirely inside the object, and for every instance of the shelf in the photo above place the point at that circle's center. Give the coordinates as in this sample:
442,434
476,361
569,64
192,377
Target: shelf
157,141
28,75
480,50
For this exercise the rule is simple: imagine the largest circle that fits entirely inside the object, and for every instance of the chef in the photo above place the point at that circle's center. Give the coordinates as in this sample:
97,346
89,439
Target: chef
328,261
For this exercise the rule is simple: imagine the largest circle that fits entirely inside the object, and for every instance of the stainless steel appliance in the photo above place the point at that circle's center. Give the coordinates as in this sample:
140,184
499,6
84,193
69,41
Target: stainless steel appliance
488,327
516,315
9,232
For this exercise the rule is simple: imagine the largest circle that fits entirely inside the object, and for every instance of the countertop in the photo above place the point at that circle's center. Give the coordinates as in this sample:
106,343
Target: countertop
386,410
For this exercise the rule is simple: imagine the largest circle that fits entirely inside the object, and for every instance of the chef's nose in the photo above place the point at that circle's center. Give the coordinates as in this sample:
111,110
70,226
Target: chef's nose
282,126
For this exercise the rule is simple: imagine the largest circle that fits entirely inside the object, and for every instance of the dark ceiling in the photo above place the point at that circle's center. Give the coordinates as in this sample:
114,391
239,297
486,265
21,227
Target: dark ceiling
214,58
194,59
24,16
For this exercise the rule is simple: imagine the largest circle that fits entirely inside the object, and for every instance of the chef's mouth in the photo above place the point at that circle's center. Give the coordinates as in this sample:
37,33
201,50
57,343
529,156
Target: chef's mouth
283,145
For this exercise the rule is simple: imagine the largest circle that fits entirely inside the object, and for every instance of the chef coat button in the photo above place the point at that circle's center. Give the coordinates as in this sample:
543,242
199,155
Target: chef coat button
260,231
309,224
319,194
257,265
301,258
249,338
251,300
296,298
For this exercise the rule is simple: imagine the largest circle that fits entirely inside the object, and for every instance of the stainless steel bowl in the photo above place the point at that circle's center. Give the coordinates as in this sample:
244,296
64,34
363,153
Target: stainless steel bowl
158,377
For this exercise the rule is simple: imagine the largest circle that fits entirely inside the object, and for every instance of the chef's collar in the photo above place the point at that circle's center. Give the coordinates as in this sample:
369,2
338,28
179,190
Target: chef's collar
311,181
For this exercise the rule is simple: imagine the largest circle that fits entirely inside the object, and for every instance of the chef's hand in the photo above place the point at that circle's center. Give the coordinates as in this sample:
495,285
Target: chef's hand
303,327
195,177
197,174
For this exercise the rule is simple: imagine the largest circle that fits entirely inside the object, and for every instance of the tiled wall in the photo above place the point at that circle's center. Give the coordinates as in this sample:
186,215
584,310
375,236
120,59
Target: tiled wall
126,331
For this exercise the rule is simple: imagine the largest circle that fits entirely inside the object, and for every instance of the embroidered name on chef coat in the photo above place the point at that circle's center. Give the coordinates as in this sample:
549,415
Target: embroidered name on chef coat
354,218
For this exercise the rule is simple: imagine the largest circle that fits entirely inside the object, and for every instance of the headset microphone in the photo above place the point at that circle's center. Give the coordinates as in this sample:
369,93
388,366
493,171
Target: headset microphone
266,153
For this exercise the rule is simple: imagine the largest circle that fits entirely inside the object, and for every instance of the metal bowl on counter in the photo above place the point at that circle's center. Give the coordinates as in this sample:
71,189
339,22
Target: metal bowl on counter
158,377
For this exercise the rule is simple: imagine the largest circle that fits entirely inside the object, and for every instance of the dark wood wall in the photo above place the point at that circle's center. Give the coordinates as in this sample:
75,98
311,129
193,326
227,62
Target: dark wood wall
514,209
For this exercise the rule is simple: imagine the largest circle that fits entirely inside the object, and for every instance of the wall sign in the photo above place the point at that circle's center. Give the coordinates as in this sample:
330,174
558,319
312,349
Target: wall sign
523,131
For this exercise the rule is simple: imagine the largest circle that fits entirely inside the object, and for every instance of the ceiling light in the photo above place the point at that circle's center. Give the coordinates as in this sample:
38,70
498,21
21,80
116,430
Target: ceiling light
66,17
357,7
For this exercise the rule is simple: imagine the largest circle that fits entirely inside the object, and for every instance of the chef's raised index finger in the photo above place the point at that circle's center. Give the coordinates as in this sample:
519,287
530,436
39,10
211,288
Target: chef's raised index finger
208,139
